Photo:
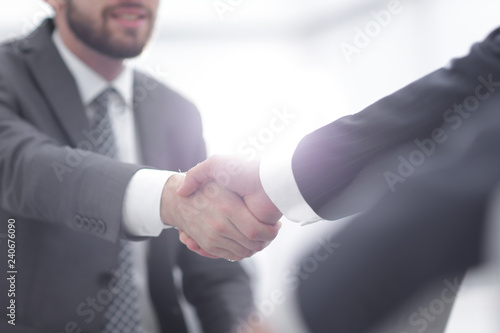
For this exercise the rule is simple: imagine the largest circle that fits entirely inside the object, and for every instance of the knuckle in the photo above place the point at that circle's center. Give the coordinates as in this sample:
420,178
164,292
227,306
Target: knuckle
211,249
189,173
211,190
248,253
200,202
224,210
209,239
252,234
219,227
259,246
269,235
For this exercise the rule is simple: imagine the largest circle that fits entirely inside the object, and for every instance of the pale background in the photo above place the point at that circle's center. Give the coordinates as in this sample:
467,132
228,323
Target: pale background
267,55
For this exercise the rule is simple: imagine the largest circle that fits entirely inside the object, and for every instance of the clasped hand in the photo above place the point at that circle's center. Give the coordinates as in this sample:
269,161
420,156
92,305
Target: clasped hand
221,209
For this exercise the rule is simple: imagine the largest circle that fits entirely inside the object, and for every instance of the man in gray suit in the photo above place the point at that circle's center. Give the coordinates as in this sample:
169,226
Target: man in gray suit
75,122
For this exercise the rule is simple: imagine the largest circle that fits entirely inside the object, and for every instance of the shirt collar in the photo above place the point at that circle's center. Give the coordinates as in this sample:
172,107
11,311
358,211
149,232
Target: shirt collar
89,83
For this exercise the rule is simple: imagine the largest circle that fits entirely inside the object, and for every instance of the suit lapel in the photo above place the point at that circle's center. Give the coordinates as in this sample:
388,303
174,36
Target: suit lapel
168,126
151,118
56,82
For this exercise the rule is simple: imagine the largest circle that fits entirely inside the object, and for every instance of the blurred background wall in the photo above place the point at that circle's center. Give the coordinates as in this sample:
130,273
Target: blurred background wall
244,61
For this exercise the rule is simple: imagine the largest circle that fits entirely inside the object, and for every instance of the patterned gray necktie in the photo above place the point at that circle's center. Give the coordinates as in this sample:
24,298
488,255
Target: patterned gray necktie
122,315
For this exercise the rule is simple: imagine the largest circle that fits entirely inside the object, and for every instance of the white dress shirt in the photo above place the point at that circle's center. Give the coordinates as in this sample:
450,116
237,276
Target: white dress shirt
142,198
277,178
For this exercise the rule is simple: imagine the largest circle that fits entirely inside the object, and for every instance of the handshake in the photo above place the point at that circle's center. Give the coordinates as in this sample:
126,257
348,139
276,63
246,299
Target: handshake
220,209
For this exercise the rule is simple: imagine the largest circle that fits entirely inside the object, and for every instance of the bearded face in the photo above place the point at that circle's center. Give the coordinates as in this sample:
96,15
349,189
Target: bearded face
118,29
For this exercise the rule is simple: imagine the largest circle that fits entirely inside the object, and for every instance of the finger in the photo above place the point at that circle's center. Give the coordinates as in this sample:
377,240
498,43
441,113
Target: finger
235,242
196,177
247,247
213,235
193,246
251,228
217,232
205,254
229,248
220,244
242,251
183,237
279,224
235,219
221,253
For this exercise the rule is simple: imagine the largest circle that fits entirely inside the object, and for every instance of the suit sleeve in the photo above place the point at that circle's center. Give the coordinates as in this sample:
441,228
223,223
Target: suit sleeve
327,160
432,226
42,180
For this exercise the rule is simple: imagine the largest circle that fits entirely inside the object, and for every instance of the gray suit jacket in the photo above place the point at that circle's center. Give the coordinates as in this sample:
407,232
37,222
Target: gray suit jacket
68,222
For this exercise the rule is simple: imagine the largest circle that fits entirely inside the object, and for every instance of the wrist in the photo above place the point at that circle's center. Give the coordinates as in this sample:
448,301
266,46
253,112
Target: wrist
268,212
266,201
170,200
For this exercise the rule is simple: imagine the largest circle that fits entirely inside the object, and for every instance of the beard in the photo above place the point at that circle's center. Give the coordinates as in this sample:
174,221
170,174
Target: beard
96,34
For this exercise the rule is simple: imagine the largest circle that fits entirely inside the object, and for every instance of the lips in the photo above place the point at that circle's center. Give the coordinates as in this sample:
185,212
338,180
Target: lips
130,17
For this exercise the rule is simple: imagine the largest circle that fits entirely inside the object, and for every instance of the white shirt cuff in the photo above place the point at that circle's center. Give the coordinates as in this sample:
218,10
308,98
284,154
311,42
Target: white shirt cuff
141,207
277,178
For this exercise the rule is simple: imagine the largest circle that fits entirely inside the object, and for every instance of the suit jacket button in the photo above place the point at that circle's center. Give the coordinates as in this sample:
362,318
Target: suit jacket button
93,225
101,227
85,224
78,221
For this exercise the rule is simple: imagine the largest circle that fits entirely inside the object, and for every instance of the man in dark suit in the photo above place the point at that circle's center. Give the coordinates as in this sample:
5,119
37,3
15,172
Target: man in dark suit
430,221
75,122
